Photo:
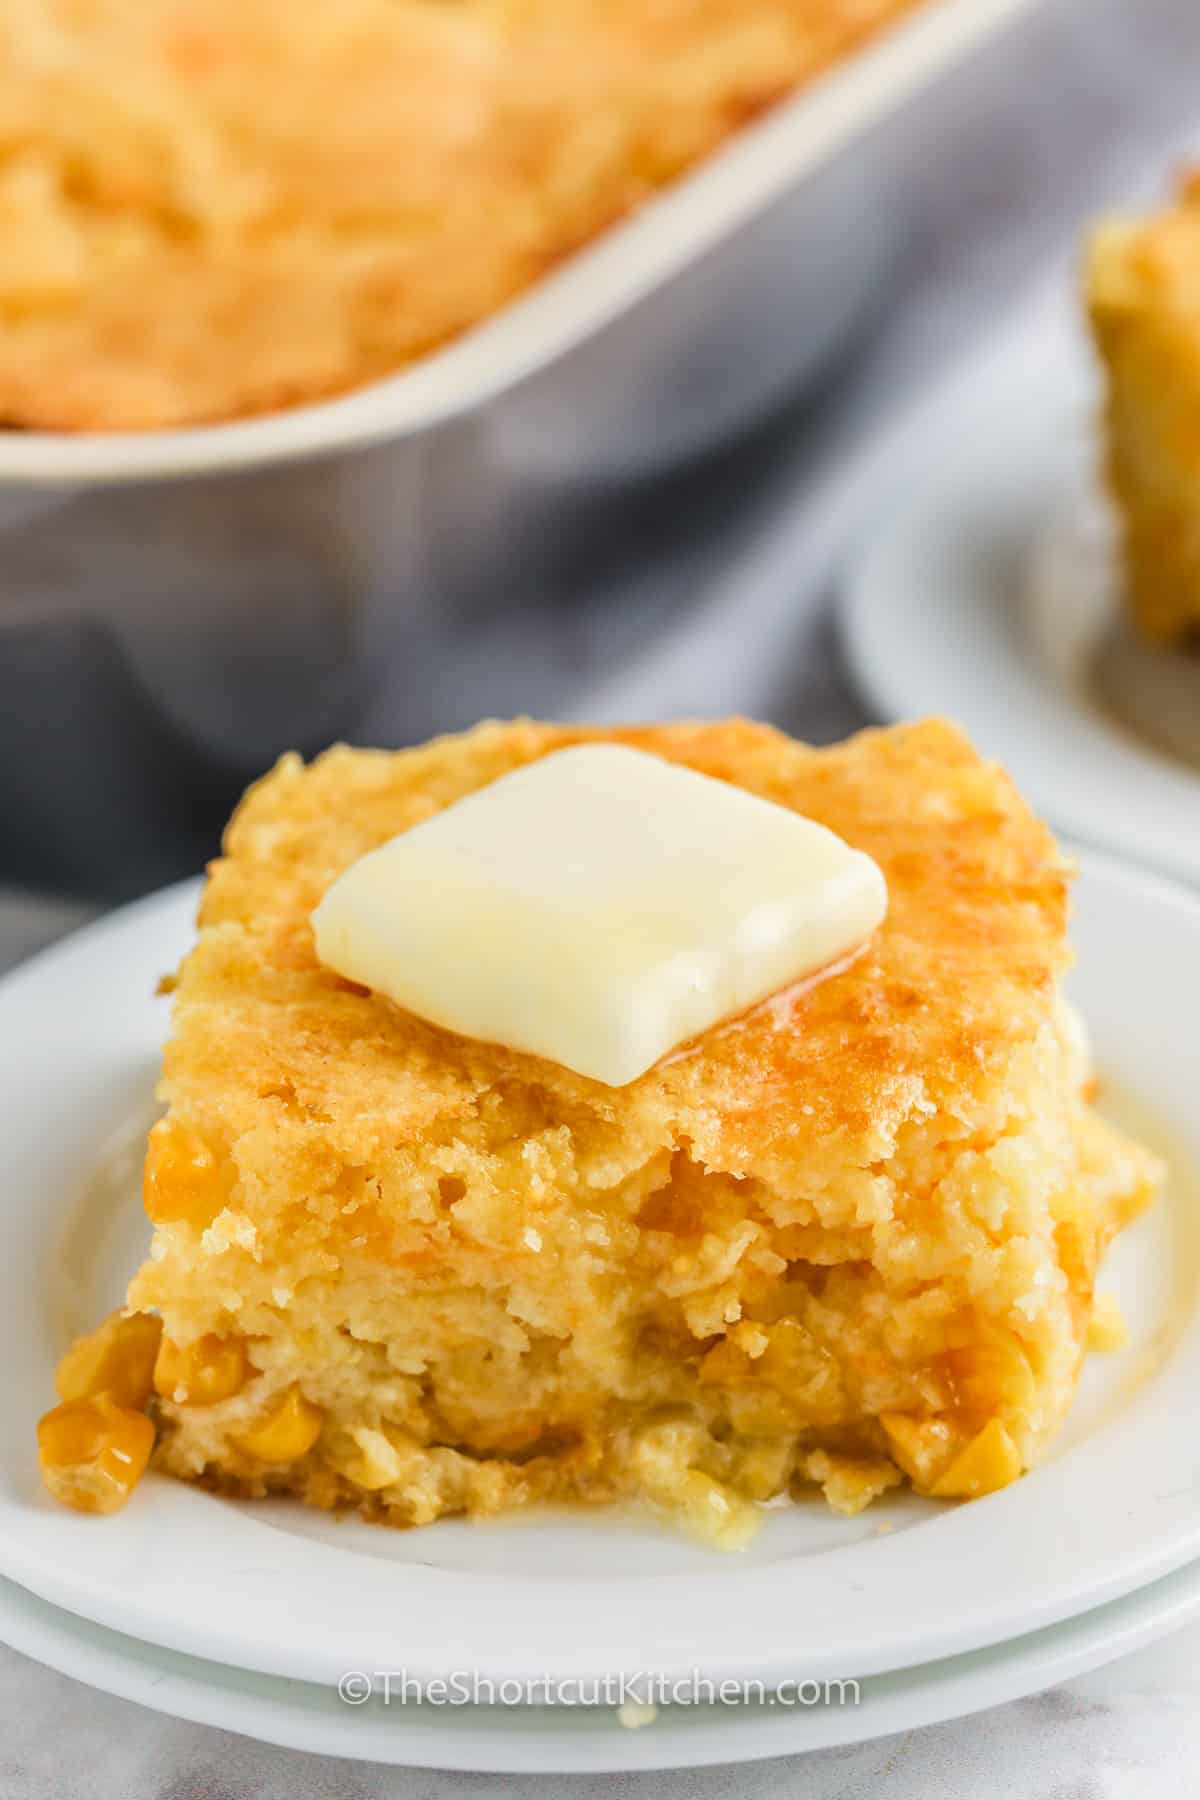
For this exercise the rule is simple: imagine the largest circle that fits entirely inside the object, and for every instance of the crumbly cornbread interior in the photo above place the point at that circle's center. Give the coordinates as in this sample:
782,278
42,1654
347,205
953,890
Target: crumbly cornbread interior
213,208
846,1240
1143,295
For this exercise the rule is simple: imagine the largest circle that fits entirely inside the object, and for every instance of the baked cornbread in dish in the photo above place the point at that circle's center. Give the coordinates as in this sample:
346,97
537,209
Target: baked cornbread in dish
846,1240
217,208
1143,297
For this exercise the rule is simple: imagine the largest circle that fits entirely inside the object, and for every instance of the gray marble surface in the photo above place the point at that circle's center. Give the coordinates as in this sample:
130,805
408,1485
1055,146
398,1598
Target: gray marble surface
1111,92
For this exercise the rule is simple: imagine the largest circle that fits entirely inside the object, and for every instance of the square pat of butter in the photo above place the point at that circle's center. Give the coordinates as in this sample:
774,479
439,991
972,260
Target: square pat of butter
598,907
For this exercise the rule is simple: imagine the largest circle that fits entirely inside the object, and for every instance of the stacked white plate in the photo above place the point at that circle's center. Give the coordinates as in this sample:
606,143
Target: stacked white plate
249,1617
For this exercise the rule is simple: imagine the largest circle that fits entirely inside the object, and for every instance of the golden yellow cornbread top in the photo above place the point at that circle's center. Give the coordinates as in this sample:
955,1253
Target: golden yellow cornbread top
211,208
962,972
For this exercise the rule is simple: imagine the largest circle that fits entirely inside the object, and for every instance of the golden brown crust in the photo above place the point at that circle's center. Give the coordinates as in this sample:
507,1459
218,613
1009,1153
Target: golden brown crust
213,208
961,973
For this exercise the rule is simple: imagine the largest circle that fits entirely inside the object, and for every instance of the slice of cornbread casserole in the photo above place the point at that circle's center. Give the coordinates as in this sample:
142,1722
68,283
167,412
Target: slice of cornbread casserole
847,1239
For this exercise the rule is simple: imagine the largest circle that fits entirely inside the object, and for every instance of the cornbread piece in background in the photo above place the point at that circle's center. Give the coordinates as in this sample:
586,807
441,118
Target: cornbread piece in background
181,245
846,1239
1143,298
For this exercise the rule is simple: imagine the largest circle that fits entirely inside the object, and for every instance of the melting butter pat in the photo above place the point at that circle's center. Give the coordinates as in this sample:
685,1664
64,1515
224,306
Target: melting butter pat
598,908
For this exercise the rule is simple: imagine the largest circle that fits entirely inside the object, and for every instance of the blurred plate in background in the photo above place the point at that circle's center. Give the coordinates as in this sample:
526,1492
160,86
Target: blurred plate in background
989,592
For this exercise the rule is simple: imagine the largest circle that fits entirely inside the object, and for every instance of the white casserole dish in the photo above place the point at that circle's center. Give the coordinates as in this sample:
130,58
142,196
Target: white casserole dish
233,589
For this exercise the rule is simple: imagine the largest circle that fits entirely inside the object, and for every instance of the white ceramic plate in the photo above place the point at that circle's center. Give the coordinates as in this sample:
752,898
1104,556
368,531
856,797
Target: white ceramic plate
990,583
295,1593
551,1740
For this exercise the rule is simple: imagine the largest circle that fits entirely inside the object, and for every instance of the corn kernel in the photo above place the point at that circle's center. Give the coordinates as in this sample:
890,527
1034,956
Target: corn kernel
373,1463
992,1375
181,1182
1107,1329
288,1431
923,1448
990,1461
117,1358
199,1374
92,1453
